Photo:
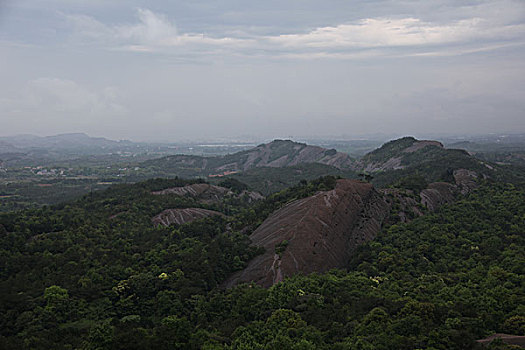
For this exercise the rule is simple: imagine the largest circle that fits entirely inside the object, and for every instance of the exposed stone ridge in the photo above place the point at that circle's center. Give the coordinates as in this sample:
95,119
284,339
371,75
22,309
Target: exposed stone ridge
207,193
251,196
511,339
438,194
393,163
321,231
197,190
397,151
466,180
293,153
182,216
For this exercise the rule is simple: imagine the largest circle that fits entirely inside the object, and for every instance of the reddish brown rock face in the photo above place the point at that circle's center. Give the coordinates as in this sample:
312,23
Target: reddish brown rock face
321,232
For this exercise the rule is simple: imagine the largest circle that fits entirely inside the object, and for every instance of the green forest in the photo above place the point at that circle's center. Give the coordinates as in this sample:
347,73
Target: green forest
95,274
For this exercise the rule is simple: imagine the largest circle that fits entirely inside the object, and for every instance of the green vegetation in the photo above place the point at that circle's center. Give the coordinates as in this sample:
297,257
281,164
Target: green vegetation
268,180
233,184
281,247
281,148
95,274
389,150
414,182
438,164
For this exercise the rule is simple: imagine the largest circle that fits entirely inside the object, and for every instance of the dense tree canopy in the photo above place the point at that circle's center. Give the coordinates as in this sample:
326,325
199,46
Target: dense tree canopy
96,274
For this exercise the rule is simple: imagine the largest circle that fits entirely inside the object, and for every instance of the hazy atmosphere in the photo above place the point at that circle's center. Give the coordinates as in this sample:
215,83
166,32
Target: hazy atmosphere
180,70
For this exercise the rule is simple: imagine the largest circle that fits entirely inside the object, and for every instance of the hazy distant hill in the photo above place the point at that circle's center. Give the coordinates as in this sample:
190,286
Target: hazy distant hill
387,164
428,159
505,151
63,142
28,150
276,154
6,147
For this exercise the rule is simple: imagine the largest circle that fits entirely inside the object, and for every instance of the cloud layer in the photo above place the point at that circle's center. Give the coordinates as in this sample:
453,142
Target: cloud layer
154,32
176,70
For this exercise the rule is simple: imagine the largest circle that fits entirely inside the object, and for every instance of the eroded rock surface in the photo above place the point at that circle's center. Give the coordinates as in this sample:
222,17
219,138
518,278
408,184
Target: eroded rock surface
465,180
182,216
511,339
207,193
321,232
200,191
438,194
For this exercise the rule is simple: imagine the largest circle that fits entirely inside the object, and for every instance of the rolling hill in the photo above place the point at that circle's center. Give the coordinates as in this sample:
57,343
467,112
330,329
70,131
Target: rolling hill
276,154
141,266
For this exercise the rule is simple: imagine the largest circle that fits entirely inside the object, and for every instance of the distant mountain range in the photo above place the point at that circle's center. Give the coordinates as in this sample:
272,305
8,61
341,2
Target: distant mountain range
285,161
401,154
276,154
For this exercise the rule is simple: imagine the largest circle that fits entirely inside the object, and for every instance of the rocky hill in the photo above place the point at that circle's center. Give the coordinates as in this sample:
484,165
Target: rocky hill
208,194
407,156
182,216
396,154
320,232
386,164
283,153
276,154
315,234
202,191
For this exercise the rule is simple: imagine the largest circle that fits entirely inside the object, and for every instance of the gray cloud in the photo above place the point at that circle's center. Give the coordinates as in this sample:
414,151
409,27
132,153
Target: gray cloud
172,69
155,33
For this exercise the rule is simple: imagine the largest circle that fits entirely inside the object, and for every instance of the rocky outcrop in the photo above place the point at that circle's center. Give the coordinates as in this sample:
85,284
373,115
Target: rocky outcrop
201,191
320,232
251,196
206,193
315,234
283,153
393,163
510,339
182,216
276,154
394,155
438,194
404,206
465,180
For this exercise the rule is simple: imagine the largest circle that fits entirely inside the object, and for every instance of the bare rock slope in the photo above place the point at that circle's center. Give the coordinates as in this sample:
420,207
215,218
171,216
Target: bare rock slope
207,193
276,154
318,233
182,216
283,153
395,155
203,192
315,234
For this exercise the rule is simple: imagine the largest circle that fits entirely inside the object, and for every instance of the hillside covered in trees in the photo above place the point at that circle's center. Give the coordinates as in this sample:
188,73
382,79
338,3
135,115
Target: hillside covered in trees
443,267
96,274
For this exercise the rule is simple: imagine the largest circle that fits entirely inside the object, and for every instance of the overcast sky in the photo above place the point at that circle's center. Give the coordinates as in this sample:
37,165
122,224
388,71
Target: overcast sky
196,69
